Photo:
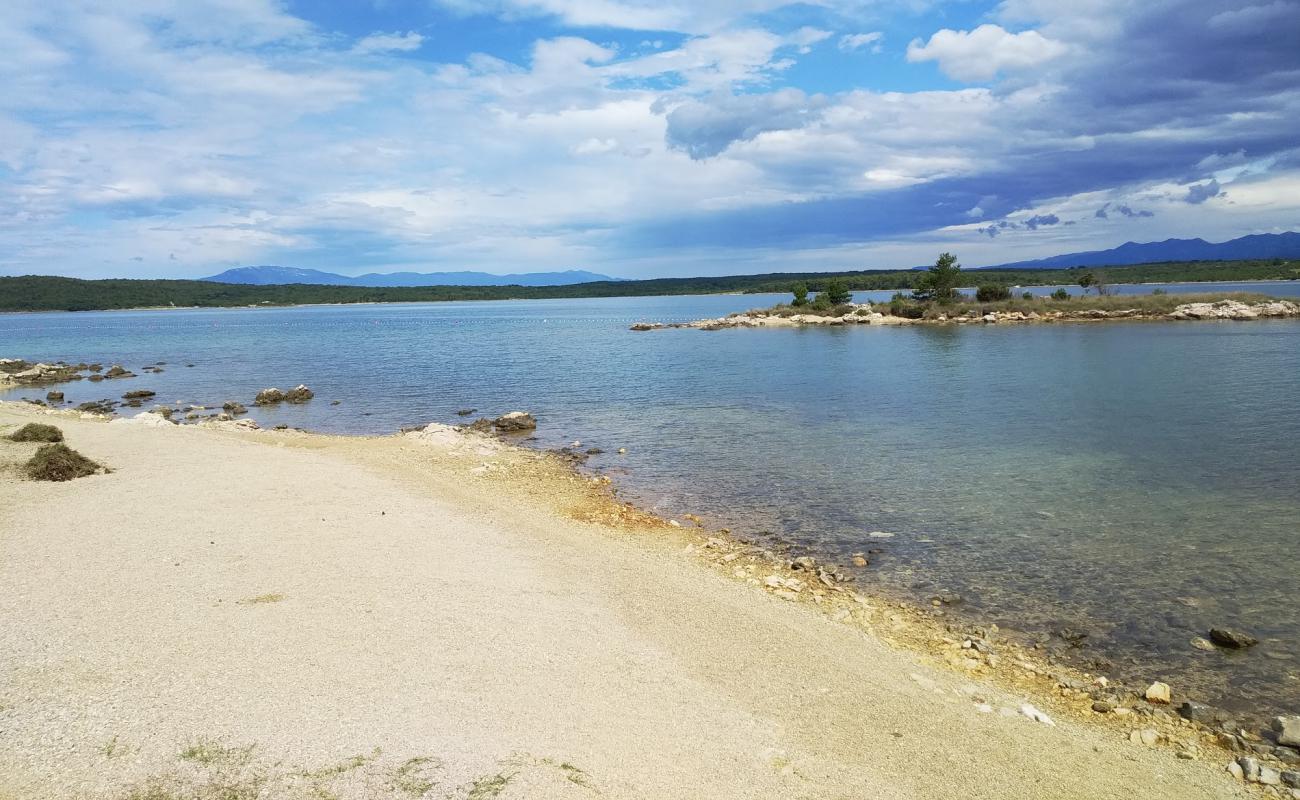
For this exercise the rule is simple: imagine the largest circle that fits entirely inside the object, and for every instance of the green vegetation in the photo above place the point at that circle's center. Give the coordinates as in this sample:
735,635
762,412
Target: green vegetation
413,776
939,284
1095,281
992,292
36,432
36,293
800,295
836,293
211,751
58,462
1060,294
1143,304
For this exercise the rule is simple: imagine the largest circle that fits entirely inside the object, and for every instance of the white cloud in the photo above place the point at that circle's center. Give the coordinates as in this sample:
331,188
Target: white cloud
389,42
859,41
981,54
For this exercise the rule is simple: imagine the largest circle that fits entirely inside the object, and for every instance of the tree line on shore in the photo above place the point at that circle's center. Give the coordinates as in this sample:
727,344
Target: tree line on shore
46,293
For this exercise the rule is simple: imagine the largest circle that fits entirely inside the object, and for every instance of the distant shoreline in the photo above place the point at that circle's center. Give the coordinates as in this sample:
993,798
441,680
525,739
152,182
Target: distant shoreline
47,293
340,304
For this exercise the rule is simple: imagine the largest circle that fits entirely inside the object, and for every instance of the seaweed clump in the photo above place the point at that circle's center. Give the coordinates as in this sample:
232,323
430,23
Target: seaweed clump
36,432
58,462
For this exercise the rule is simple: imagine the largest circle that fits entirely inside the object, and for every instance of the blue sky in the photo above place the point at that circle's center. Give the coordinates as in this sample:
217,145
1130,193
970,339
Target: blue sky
177,138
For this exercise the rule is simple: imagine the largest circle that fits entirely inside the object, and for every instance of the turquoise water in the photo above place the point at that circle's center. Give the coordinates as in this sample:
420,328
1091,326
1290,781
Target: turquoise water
1138,482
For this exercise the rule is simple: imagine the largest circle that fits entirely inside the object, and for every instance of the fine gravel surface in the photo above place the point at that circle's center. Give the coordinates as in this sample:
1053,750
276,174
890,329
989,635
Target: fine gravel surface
238,615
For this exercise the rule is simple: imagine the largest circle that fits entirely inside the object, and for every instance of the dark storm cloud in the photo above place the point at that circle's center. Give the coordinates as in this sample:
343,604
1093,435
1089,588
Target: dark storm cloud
1201,192
705,129
1219,77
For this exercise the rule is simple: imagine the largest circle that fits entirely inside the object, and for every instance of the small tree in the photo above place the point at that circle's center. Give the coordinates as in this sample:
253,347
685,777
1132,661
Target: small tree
800,294
836,293
940,282
1060,294
1096,282
992,292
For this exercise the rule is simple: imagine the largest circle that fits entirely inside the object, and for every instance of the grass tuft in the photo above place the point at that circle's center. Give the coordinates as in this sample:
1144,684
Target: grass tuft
490,785
210,751
36,432
411,777
58,462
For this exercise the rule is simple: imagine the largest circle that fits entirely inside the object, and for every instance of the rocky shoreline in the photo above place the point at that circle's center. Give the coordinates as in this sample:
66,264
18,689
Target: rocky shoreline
870,314
1268,756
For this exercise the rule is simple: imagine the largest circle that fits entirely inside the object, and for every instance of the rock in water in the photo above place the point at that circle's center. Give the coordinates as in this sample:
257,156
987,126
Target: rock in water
515,421
1158,693
299,394
268,397
232,408
1288,730
1234,640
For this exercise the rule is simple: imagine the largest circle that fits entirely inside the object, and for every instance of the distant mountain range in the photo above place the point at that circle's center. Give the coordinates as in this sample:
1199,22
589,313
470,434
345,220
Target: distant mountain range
1263,245
271,275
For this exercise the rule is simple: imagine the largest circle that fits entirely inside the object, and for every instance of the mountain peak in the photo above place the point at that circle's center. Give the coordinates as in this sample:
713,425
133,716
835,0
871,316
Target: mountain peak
1259,245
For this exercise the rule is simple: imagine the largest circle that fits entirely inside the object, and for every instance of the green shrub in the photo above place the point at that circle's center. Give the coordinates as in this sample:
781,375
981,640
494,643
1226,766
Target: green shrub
1159,291
36,432
1027,296
58,462
900,306
992,292
1060,294
800,294
836,293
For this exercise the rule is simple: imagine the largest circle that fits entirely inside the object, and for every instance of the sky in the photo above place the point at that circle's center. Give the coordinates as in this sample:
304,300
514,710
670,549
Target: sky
179,138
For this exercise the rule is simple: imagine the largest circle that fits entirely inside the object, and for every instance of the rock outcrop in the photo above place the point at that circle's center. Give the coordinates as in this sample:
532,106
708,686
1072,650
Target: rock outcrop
514,422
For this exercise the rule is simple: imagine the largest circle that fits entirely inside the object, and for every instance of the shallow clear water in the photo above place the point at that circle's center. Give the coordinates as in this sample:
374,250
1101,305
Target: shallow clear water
1139,482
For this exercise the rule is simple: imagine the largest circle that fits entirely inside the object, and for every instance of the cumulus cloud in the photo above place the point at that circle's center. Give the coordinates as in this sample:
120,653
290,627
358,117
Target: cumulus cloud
221,131
981,54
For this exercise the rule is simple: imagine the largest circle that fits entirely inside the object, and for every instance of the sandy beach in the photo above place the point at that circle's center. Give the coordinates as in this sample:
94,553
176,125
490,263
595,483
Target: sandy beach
254,614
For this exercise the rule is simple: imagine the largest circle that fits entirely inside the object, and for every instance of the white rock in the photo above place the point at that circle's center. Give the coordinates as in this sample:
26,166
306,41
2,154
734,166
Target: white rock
1036,715
1288,730
1158,693
143,418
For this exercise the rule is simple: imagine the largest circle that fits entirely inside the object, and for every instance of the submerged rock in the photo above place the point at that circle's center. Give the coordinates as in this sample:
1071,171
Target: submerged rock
1197,712
1232,639
139,394
233,408
54,397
